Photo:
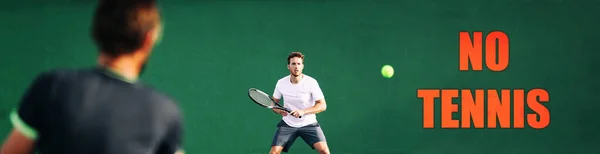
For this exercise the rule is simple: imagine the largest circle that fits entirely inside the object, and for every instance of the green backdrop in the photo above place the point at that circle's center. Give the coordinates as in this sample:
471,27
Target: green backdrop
213,51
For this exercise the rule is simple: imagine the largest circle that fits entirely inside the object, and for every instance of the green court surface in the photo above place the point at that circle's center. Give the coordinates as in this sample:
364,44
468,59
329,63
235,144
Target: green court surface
213,51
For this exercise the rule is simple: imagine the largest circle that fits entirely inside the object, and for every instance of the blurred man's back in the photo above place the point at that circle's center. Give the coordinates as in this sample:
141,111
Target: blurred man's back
102,109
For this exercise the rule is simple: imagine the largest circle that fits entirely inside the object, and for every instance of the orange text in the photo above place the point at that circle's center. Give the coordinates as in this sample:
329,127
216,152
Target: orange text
477,106
471,50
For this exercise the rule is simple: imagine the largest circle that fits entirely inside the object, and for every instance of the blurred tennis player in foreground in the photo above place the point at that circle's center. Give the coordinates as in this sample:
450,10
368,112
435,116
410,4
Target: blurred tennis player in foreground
302,95
101,110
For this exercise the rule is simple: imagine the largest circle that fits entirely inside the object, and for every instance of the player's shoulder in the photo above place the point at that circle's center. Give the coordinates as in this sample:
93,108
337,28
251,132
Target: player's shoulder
64,74
162,99
168,105
283,79
310,79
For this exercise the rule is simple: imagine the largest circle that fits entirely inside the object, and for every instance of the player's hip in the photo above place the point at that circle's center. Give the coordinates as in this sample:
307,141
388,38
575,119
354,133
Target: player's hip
298,124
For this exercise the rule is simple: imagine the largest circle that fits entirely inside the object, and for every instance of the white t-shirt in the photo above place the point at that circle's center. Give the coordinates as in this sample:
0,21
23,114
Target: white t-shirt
297,97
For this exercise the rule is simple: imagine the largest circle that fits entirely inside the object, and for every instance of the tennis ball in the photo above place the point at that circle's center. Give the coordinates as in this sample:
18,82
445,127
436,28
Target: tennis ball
387,71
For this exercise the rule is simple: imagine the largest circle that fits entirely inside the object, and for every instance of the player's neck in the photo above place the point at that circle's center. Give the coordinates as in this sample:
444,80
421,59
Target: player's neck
124,66
296,79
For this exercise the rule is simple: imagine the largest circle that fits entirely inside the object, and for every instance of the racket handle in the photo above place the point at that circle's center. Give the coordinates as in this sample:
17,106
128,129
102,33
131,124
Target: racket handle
290,111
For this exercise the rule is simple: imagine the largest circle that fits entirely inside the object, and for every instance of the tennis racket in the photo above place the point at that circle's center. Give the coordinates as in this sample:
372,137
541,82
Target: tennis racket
263,99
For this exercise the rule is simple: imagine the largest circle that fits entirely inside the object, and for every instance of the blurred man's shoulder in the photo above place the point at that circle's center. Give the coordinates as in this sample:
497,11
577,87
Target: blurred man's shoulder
55,74
162,99
68,72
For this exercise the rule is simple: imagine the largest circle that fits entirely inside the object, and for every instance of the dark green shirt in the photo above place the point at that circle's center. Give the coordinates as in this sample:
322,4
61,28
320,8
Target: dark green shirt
95,111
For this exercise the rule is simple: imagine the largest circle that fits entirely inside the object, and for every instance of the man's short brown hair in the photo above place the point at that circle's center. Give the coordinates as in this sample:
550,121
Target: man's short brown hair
120,26
295,54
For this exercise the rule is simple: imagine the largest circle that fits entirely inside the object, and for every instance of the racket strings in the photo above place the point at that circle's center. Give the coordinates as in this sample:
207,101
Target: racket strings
261,98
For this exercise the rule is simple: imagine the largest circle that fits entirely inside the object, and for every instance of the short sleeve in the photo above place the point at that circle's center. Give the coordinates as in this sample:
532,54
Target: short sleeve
27,116
276,92
316,91
172,141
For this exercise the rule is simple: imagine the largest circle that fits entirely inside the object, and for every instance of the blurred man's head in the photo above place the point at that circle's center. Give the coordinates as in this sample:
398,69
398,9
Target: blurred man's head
295,63
126,28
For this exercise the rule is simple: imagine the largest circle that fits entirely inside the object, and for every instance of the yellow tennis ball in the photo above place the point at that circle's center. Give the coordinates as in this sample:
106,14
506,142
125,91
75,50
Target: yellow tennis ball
387,71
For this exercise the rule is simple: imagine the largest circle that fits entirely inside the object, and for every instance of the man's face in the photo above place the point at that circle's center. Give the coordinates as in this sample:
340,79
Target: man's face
295,66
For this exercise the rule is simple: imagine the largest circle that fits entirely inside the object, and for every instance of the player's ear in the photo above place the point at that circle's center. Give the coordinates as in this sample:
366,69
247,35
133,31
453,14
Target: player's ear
157,34
153,37
147,44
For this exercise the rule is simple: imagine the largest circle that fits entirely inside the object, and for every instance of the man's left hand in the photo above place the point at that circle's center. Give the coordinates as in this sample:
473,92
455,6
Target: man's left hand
297,113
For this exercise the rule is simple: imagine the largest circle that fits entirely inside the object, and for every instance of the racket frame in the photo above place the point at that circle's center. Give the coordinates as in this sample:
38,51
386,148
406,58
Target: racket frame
277,105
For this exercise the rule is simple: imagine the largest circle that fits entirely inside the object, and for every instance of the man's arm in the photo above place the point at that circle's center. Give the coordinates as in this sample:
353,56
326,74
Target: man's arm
172,142
319,97
276,98
17,142
26,119
278,111
319,107
320,104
